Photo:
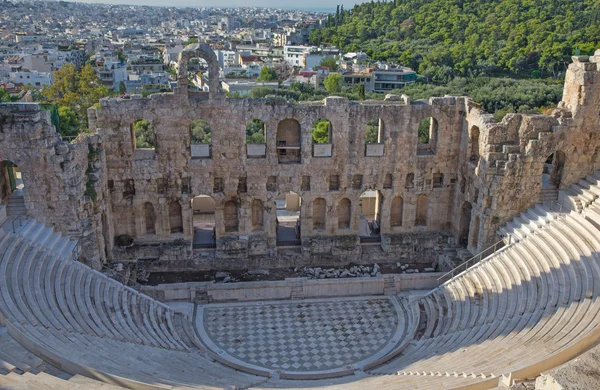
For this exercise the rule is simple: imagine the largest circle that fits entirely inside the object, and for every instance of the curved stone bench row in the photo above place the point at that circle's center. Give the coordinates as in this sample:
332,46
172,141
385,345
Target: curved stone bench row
89,324
39,286
528,308
529,303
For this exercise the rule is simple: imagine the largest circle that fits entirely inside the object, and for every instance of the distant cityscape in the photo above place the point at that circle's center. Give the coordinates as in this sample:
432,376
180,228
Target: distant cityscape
134,49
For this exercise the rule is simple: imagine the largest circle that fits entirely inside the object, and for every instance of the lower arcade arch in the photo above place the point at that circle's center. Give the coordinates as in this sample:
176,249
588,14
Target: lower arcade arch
203,221
288,206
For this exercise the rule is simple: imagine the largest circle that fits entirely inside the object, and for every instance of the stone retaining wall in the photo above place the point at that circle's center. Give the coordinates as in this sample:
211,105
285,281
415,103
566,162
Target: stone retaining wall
300,287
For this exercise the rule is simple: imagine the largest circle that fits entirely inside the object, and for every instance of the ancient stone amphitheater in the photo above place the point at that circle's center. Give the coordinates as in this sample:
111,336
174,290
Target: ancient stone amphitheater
528,308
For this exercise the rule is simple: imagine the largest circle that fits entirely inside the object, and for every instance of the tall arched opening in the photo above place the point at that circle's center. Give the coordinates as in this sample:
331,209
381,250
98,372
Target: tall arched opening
289,142
12,188
552,177
288,206
369,205
465,223
203,221
175,217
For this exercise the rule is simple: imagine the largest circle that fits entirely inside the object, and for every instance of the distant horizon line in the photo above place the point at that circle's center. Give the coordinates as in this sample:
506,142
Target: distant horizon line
288,8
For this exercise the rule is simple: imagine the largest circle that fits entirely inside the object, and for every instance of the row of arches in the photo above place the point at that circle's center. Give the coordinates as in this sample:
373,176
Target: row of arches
288,137
287,216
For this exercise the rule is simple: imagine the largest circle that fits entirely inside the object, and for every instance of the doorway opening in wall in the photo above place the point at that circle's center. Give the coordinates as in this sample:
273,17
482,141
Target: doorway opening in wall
12,189
288,219
203,207
369,223
551,177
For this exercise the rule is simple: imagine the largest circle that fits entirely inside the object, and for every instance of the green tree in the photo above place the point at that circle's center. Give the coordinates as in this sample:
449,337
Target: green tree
4,96
260,92
255,132
361,92
372,131
144,134
76,90
268,74
200,132
333,83
320,131
69,124
329,62
122,88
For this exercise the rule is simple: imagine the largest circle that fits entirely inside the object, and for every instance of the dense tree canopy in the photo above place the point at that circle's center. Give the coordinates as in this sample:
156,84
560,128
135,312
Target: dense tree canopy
255,132
446,38
268,74
200,132
320,131
144,134
333,83
75,90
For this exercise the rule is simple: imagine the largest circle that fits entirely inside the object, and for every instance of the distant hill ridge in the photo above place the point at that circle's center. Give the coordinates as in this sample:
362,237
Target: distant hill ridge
468,37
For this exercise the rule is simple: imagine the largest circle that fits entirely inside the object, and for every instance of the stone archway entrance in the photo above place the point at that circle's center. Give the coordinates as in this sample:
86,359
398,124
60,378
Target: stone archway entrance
552,177
369,224
203,207
288,207
12,189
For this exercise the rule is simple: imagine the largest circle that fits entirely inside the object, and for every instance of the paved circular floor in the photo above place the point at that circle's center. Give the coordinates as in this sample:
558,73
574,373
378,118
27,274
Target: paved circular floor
303,336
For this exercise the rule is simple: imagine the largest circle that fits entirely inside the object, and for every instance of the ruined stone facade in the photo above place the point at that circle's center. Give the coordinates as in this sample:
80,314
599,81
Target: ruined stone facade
472,176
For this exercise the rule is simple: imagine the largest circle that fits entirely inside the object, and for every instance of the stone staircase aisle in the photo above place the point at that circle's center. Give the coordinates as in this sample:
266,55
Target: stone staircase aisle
16,204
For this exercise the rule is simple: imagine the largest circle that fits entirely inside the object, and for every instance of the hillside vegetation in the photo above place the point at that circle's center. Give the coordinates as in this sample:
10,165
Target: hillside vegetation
443,39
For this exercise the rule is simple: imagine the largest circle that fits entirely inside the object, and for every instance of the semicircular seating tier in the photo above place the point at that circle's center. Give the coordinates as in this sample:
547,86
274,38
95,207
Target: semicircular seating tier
527,308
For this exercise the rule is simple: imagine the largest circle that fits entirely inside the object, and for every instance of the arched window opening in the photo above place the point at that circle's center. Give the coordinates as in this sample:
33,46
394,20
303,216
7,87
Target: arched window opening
374,141
474,144
257,215
321,137
200,139
427,136
369,224
230,216
175,217
344,213
142,135
397,211
255,132
319,214
421,212
149,218
289,142
288,206
465,224
204,222
198,74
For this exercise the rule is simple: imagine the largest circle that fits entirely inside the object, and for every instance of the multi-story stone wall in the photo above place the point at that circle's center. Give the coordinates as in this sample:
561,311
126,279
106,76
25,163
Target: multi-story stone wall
472,176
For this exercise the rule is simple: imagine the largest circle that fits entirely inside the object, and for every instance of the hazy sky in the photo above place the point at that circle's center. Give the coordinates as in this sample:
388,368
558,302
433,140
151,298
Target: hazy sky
299,4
